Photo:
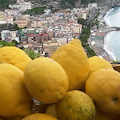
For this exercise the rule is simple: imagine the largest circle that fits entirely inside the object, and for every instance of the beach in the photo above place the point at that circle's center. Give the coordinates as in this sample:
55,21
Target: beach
98,37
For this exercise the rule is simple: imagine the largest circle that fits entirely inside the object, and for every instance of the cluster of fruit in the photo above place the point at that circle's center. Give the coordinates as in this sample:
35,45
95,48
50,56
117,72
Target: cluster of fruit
68,86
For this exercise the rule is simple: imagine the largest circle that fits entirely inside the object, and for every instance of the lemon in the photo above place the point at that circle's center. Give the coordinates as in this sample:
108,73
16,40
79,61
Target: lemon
96,63
74,60
103,86
76,105
51,110
14,56
14,98
46,80
39,116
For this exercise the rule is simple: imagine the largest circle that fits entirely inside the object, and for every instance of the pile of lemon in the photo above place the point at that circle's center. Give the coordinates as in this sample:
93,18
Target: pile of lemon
67,86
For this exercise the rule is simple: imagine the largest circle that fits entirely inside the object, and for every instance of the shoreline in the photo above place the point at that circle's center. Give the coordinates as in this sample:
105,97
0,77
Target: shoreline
106,38
99,37
106,47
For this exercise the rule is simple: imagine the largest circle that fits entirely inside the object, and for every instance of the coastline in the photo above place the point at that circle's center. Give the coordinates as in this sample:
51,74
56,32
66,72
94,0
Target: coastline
99,37
110,49
106,47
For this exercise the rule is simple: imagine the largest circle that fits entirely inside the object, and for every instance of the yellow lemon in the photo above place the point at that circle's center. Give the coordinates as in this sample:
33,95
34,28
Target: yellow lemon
46,80
14,56
103,86
39,116
51,110
14,98
96,63
74,60
76,105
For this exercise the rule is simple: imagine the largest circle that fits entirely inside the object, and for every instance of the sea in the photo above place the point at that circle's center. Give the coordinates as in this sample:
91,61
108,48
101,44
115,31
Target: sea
112,39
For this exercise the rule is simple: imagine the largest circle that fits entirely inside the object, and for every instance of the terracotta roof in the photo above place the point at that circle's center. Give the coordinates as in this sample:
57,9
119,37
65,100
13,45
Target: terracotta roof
45,34
30,35
37,35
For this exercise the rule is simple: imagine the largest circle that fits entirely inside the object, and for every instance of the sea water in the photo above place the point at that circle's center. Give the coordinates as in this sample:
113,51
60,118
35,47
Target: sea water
112,39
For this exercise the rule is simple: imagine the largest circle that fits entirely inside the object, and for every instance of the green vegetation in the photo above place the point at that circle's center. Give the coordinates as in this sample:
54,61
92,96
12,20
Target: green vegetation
87,1
31,53
67,3
15,42
84,40
94,21
87,25
81,21
4,43
35,11
85,36
115,61
55,10
8,27
4,3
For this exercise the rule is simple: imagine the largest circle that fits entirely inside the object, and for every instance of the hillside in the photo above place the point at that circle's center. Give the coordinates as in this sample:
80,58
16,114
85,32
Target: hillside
61,3
4,3
76,3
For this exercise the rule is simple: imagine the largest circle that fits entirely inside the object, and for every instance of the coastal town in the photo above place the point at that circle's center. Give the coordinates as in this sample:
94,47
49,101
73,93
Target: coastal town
46,32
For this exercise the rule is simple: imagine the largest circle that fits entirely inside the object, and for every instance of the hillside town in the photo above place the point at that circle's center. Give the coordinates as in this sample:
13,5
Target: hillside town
46,32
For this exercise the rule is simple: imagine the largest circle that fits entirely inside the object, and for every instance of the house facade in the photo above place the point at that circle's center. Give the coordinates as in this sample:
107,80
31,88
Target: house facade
8,35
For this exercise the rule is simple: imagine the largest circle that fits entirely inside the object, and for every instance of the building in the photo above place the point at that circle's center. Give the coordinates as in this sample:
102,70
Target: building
37,38
92,5
20,1
82,14
9,20
2,18
8,35
21,6
21,22
77,28
12,12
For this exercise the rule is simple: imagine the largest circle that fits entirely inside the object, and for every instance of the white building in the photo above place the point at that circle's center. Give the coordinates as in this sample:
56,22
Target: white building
77,28
91,5
9,20
76,10
21,6
11,12
2,22
80,12
8,35
20,1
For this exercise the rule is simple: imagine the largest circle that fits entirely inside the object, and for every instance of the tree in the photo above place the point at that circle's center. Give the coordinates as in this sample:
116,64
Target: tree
86,31
31,53
15,42
81,21
83,38
5,43
9,44
35,11
16,27
8,27
87,1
